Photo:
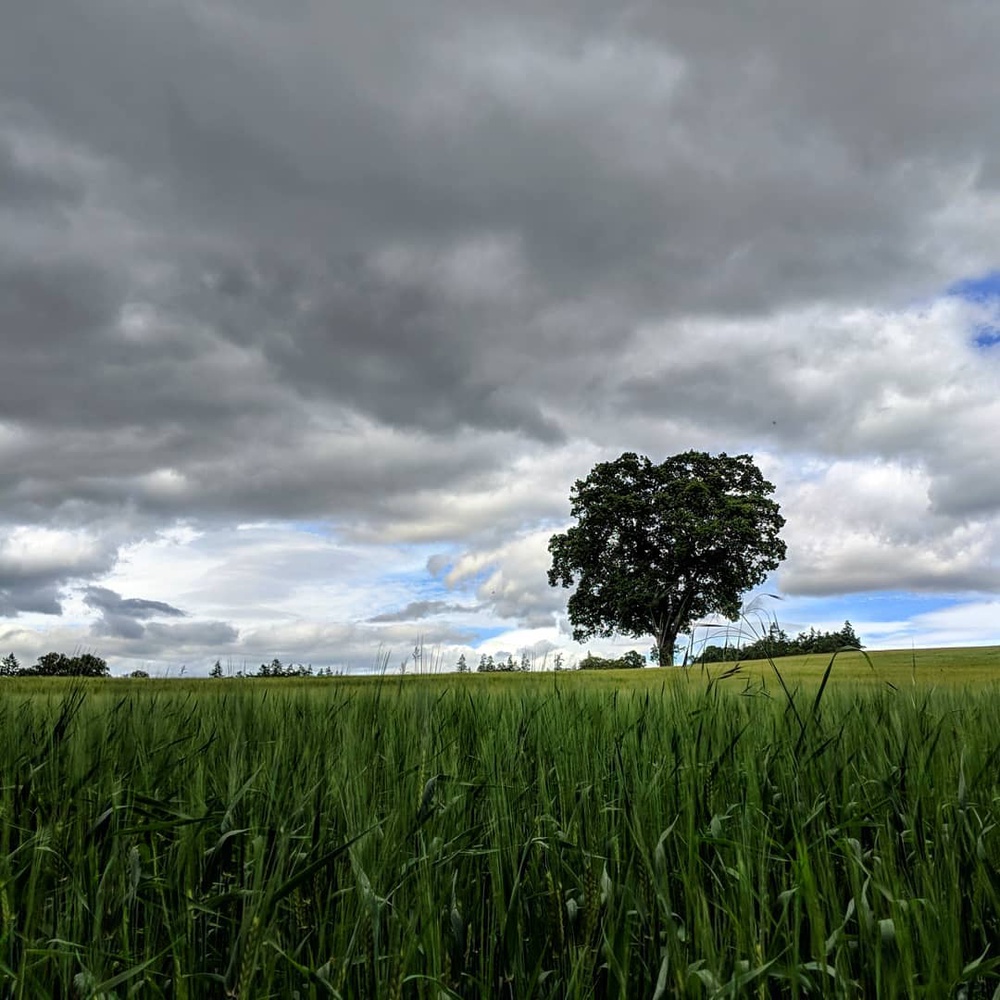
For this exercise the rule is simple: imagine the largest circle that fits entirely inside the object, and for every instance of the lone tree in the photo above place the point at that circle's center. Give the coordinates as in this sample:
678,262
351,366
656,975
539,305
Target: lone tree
657,547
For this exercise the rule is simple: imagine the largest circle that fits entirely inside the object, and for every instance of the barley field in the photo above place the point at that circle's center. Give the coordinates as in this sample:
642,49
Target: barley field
649,834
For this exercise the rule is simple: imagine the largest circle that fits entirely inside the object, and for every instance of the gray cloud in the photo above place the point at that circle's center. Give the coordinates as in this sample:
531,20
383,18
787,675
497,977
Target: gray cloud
376,267
37,563
102,599
24,188
122,618
127,620
199,634
416,610
122,637
44,600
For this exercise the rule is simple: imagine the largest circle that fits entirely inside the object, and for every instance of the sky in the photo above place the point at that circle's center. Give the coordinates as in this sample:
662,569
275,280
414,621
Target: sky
312,313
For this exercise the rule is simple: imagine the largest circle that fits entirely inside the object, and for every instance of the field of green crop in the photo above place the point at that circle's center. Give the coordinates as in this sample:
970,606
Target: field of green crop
648,835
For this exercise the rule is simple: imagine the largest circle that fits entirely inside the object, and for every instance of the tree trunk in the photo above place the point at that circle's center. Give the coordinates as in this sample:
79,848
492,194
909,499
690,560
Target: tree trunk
667,618
666,639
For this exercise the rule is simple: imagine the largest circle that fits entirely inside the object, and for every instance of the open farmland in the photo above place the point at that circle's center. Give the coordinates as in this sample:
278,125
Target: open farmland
642,834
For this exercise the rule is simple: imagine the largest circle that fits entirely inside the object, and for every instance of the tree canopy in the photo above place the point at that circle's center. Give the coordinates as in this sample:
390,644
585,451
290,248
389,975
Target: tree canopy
56,665
656,547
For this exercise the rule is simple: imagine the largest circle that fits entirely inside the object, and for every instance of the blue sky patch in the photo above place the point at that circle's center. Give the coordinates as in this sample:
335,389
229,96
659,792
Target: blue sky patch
480,635
984,291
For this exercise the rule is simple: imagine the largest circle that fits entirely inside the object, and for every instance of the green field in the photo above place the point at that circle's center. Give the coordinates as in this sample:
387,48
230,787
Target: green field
650,833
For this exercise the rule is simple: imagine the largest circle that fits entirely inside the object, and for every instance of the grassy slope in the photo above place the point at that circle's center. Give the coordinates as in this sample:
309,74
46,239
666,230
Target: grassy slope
969,665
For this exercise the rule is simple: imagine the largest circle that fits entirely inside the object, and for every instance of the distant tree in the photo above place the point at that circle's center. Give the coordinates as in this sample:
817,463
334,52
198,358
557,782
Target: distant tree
51,665
273,669
815,641
9,666
774,642
486,665
848,637
463,665
216,670
657,547
630,661
525,662
633,659
278,669
61,665
805,642
717,654
89,665
557,662
139,675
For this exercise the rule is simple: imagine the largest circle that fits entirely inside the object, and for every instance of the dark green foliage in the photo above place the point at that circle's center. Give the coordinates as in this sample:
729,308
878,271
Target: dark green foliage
61,665
777,643
656,547
9,666
629,661
277,669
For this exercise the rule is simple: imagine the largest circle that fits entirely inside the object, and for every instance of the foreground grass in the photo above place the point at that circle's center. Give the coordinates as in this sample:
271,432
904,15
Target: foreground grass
551,838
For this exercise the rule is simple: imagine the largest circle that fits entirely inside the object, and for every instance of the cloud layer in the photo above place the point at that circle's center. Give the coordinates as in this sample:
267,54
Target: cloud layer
386,280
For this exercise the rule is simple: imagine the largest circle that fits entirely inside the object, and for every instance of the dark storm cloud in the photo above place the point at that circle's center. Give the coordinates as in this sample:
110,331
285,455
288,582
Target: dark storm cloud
16,600
25,188
388,348
668,162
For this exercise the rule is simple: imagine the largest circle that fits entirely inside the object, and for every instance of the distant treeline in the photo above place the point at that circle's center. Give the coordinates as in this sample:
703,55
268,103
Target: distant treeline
276,669
487,665
776,642
56,665
632,660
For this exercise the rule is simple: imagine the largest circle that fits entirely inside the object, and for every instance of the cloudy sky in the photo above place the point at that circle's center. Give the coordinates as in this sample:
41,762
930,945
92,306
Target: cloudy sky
311,313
